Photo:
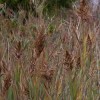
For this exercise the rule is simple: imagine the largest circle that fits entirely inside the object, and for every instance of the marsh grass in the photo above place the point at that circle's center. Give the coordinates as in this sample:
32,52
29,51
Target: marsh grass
56,59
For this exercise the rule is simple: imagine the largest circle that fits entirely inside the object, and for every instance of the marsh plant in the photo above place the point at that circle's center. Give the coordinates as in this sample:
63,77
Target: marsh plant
50,58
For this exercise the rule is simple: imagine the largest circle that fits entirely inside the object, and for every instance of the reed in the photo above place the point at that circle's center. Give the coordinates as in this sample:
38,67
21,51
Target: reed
62,65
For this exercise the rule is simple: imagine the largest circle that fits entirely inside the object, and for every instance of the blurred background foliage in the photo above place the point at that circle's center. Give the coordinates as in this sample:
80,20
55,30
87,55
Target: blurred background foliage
48,6
52,5
15,4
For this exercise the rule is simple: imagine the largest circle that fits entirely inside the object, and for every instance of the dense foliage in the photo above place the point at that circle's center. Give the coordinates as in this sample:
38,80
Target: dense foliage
15,4
49,58
48,5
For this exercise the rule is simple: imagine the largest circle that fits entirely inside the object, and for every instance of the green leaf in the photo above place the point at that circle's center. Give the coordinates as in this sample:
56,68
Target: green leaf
10,94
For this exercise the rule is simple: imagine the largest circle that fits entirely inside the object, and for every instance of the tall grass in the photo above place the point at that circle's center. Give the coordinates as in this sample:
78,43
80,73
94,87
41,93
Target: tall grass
50,59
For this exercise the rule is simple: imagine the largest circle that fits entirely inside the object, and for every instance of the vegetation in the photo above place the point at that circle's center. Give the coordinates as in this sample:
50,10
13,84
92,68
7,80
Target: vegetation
48,6
54,58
